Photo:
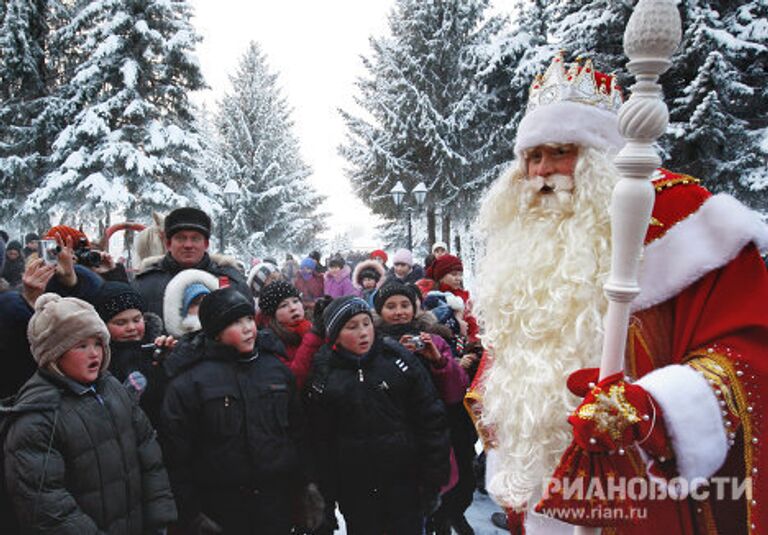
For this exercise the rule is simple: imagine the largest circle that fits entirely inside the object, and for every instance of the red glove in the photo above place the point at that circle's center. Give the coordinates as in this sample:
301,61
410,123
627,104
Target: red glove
615,414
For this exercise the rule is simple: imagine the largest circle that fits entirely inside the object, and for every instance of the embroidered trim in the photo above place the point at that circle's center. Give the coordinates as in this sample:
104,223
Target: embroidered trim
667,183
726,368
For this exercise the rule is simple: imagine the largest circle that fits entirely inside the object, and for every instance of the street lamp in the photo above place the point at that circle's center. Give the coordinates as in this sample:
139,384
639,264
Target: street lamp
398,196
231,193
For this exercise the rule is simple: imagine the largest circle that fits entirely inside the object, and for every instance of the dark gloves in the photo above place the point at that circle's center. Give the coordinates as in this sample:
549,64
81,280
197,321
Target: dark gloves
318,325
203,525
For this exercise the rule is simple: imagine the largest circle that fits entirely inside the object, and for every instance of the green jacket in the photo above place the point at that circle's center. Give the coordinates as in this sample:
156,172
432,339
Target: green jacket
83,460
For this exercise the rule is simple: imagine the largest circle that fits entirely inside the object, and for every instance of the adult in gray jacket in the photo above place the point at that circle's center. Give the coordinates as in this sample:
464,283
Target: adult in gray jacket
80,457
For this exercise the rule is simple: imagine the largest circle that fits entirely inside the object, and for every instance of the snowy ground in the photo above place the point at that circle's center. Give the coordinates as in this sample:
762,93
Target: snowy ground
478,516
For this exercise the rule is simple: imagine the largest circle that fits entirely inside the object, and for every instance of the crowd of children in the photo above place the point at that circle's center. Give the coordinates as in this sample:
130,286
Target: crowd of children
268,410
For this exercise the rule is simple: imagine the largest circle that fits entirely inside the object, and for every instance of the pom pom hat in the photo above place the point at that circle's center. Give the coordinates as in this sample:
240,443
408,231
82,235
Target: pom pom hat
571,105
61,322
64,232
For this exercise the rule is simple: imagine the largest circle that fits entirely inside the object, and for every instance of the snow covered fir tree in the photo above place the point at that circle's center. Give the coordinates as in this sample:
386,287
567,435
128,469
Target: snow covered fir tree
428,114
277,209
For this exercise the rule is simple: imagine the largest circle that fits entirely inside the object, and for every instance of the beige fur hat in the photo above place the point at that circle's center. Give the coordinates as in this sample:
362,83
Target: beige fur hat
61,322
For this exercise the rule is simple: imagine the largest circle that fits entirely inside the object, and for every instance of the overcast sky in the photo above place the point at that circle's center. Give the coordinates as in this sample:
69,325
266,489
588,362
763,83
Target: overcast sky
315,46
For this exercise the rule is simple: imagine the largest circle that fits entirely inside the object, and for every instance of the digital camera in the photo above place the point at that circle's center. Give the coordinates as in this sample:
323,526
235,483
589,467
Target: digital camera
418,343
85,256
49,251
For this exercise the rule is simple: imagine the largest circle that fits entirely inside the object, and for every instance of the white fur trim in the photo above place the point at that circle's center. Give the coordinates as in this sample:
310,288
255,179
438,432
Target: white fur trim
706,240
369,264
491,466
174,297
569,122
692,417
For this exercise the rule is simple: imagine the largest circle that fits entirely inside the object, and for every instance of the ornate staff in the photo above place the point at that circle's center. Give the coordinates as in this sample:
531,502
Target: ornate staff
653,34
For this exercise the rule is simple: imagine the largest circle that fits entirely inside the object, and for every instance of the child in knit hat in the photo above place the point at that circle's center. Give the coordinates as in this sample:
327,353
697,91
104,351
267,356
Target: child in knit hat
232,422
378,427
137,343
287,331
404,269
80,455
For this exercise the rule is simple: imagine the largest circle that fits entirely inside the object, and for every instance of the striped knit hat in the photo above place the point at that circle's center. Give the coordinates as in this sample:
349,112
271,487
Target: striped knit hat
339,311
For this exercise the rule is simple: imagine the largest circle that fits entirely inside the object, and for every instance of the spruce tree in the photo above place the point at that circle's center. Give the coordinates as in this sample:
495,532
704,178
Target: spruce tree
716,88
128,143
24,88
429,115
277,208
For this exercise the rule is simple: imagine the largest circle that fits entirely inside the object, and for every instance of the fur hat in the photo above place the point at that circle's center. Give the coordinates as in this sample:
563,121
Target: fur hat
173,299
368,268
187,218
115,297
444,265
259,274
339,311
273,294
223,307
403,256
65,232
61,322
394,287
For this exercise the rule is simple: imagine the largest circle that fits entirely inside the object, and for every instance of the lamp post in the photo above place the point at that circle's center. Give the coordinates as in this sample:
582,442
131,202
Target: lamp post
231,193
398,196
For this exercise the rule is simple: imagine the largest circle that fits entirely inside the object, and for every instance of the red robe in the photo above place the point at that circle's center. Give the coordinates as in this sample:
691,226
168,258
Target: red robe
703,305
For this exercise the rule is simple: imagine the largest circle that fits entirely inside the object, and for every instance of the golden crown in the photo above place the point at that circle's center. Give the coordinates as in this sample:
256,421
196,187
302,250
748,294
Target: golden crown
577,83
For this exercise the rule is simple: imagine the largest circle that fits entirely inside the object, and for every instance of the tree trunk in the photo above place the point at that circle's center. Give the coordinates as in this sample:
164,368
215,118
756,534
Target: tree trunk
446,229
430,226
457,245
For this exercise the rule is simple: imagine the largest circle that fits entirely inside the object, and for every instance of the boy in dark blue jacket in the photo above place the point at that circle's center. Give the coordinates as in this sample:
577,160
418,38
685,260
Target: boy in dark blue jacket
233,426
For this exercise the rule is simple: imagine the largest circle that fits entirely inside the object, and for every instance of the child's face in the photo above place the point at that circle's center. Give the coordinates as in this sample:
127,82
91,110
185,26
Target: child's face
290,312
397,310
357,334
333,270
127,326
452,279
240,334
82,362
402,269
439,251
369,284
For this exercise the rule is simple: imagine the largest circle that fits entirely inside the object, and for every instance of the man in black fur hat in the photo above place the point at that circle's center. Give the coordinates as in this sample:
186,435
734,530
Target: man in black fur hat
187,231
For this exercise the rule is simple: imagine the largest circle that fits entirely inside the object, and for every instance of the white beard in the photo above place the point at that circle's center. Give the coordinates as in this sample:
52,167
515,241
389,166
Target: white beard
539,297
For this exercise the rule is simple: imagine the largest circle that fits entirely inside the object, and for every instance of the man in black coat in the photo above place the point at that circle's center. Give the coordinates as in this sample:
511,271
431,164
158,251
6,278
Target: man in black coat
187,231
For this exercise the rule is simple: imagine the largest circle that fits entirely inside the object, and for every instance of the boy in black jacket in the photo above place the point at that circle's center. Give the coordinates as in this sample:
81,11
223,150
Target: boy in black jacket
378,426
233,424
